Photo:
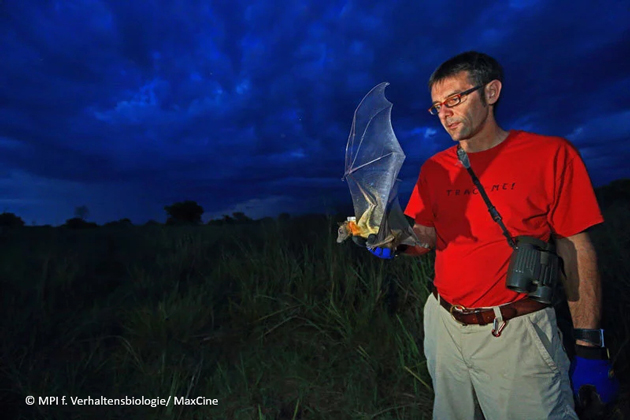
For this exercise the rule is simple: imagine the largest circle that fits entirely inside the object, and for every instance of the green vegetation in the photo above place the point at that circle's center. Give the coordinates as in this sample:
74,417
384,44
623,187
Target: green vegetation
272,318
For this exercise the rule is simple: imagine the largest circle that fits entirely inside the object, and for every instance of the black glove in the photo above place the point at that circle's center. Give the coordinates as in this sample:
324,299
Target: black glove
359,241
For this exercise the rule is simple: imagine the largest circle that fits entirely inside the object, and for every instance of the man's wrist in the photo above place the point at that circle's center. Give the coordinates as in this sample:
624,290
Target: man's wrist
593,353
585,344
589,337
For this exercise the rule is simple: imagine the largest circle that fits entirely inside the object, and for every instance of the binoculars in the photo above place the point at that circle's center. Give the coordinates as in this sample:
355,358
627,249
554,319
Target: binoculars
533,269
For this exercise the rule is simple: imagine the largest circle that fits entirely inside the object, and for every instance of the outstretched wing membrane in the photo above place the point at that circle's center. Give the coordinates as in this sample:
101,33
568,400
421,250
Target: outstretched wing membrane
373,160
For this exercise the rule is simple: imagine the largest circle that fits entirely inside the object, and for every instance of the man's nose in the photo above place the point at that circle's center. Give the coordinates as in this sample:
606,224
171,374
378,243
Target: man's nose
444,112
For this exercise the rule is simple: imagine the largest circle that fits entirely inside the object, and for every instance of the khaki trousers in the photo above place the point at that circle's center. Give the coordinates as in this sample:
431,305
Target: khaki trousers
523,374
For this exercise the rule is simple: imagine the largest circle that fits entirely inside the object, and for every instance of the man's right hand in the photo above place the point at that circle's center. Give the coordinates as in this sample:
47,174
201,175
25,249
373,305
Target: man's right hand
427,237
426,234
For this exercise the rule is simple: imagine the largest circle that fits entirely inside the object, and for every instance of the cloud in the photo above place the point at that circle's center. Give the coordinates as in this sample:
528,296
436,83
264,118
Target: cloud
617,127
241,102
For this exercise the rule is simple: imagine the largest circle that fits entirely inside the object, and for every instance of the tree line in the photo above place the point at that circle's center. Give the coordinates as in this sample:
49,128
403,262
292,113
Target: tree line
189,212
181,213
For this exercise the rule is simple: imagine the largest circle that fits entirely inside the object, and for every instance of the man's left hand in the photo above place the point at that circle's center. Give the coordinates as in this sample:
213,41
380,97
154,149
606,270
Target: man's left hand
592,367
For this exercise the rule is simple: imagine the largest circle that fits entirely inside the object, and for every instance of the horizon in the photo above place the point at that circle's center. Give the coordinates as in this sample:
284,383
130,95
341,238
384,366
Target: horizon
338,212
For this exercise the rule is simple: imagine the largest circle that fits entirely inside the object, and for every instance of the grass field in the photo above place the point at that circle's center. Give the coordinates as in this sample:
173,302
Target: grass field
275,321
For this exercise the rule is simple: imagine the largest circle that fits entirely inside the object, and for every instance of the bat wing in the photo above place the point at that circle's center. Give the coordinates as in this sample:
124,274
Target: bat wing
373,160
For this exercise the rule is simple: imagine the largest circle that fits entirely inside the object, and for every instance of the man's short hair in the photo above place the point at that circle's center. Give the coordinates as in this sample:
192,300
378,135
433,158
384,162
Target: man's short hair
481,68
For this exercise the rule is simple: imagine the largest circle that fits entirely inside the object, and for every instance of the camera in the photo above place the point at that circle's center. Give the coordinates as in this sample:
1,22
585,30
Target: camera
533,269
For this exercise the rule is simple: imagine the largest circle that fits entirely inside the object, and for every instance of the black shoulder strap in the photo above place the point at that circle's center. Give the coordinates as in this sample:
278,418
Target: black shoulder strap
463,158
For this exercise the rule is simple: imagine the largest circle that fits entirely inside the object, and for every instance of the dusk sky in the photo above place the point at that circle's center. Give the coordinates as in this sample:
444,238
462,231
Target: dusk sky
127,106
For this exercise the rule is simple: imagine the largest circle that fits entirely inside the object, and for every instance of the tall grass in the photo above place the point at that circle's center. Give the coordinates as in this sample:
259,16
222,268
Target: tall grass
274,321
612,241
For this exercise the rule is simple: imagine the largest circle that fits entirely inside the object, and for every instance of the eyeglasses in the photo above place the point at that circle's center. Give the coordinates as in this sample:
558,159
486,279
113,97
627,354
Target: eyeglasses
452,101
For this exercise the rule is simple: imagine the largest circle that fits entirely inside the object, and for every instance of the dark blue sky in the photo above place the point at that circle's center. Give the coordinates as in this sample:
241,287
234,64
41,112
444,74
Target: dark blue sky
127,106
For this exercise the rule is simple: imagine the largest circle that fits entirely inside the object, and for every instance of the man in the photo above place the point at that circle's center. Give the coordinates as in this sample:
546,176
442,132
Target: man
493,352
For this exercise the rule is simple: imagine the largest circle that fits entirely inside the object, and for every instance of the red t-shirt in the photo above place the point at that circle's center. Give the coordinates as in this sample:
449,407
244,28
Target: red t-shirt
538,184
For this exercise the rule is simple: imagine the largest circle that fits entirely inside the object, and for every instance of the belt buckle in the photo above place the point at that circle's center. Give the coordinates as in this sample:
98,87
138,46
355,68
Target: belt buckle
459,308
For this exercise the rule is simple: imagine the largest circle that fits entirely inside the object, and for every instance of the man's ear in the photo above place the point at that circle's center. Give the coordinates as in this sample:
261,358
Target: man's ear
493,91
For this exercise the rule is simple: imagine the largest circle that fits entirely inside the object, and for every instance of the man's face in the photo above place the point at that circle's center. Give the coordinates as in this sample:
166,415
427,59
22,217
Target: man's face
465,120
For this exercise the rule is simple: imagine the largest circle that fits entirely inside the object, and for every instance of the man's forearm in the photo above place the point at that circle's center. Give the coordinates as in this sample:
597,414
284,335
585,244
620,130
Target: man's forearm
582,283
415,251
586,309
427,237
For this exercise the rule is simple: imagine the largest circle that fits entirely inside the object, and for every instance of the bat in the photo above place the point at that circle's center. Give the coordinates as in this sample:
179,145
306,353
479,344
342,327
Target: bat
373,159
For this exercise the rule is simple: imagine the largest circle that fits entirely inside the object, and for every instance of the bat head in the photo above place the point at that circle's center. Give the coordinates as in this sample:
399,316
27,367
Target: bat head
343,232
